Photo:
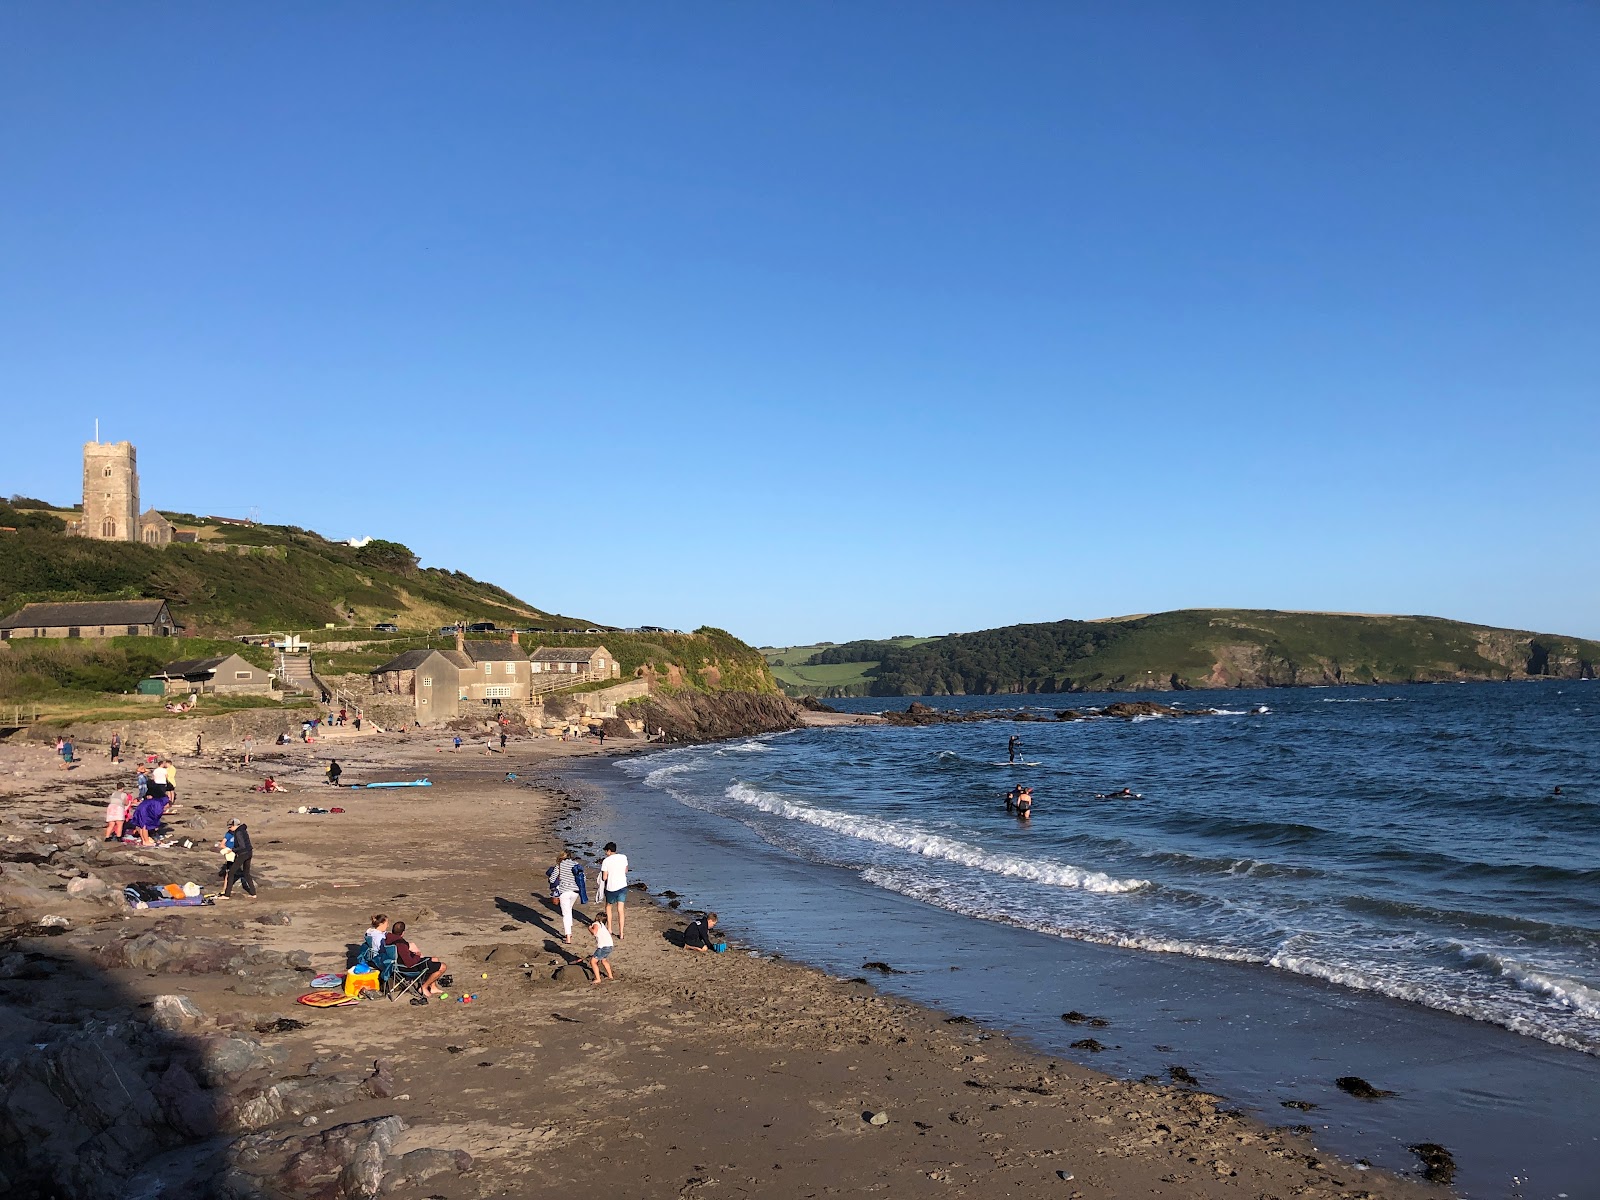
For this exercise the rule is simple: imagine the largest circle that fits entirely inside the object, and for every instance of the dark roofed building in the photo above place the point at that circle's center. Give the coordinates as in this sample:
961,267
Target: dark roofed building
90,619
444,683
226,674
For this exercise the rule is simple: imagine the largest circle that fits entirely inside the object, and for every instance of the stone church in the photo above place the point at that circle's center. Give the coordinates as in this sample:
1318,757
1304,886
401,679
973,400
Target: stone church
111,497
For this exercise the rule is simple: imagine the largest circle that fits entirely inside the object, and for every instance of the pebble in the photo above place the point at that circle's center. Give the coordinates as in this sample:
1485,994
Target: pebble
309,1121
878,1118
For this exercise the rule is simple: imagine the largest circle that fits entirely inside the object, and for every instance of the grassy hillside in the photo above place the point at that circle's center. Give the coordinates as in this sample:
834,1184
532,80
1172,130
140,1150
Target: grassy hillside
805,671
1196,648
42,669
257,578
706,660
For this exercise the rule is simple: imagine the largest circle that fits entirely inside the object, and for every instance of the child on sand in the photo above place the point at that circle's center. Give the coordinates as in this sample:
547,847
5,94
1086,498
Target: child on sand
602,949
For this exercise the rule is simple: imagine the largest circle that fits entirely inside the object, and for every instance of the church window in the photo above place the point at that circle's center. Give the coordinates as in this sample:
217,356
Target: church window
108,528
106,471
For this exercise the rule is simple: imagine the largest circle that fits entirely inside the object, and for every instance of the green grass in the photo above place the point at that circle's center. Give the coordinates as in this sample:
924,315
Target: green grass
37,668
791,673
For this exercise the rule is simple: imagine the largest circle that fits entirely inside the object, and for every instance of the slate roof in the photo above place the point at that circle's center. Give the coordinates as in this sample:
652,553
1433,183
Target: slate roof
495,652
95,612
564,653
188,667
412,659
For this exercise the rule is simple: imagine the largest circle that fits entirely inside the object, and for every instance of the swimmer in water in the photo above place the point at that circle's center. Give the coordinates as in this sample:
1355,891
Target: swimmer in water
1124,794
1025,804
1011,799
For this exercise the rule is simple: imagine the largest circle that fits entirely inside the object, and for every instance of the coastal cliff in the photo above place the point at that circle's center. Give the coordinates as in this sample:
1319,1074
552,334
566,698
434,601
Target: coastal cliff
713,716
1195,648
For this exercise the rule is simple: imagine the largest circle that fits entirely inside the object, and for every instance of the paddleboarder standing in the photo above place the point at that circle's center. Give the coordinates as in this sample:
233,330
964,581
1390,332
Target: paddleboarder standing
1011,748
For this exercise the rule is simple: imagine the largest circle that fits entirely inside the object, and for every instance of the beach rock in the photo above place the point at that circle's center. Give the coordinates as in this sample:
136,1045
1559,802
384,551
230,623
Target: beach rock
53,921
274,919
88,887
1182,1075
175,1012
418,1166
877,1118
1127,710
1088,1044
1438,1164
881,967
269,983
1358,1087
231,1057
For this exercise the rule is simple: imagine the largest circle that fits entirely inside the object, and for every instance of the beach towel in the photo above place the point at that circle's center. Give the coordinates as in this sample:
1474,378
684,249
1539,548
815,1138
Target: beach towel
327,982
326,999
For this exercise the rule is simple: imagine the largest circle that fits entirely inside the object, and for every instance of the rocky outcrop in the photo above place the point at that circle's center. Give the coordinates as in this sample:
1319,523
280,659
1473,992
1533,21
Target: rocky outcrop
712,716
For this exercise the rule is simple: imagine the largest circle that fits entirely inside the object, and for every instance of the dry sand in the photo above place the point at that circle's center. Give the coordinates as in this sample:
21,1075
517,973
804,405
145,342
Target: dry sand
691,1075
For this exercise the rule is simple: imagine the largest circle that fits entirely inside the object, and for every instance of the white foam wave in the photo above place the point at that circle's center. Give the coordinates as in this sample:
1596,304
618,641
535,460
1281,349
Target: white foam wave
1569,993
658,778
1147,717
932,845
1429,995
942,897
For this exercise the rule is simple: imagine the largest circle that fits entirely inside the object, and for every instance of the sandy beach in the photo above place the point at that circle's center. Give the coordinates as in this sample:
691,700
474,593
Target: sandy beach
690,1075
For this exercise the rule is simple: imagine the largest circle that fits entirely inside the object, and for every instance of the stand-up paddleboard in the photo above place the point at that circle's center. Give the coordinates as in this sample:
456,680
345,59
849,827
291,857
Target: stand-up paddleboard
407,783
1018,763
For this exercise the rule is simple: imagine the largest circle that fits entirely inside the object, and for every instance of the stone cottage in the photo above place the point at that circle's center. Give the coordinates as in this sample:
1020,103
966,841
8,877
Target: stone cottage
93,619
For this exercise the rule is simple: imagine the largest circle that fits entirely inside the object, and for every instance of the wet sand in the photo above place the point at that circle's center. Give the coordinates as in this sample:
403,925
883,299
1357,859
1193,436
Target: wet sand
690,1075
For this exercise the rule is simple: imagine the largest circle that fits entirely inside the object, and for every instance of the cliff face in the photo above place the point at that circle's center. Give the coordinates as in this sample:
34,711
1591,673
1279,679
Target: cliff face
712,716
1224,648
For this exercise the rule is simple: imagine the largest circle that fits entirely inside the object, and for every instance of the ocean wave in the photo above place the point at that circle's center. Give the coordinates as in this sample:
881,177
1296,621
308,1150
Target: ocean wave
932,845
1429,994
941,896
658,778
741,748
1572,994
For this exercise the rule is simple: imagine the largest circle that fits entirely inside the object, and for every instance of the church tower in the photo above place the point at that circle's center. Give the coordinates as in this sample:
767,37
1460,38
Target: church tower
110,492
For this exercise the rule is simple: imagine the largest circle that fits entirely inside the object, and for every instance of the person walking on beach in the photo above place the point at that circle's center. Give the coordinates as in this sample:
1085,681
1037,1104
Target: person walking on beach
199,744
334,770
502,741
1011,748
614,883
602,950
66,754
563,879
458,741
116,747
239,868
249,748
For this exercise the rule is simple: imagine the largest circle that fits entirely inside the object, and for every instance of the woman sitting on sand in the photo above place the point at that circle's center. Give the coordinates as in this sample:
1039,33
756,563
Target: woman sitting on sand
409,957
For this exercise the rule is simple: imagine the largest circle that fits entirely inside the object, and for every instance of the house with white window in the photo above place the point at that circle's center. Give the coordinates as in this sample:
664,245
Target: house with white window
444,684
555,666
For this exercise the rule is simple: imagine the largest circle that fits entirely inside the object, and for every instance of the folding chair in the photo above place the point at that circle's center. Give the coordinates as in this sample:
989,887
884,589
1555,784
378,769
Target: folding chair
395,980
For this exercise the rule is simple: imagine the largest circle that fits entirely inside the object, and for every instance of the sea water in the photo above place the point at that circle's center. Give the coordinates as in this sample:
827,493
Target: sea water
1306,884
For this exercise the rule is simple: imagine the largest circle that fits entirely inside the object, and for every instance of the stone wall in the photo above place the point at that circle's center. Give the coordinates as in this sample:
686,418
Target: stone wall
175,735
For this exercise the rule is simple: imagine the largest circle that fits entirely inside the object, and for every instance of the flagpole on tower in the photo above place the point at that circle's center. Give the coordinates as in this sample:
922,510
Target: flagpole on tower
97,429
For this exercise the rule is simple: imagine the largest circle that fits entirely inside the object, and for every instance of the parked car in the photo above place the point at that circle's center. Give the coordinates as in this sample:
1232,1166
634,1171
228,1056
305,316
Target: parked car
386,627
481,627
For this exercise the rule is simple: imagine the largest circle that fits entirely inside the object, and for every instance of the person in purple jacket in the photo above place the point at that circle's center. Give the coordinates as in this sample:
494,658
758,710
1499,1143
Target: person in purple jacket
147,817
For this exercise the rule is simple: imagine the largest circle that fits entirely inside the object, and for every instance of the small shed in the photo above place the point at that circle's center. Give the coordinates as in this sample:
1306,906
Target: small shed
224,675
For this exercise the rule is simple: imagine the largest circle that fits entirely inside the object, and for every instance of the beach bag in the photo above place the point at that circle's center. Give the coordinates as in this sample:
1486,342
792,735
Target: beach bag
191,890
582,879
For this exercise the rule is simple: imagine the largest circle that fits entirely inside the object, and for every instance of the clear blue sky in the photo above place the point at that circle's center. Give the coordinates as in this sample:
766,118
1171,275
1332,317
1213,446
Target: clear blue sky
833,320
